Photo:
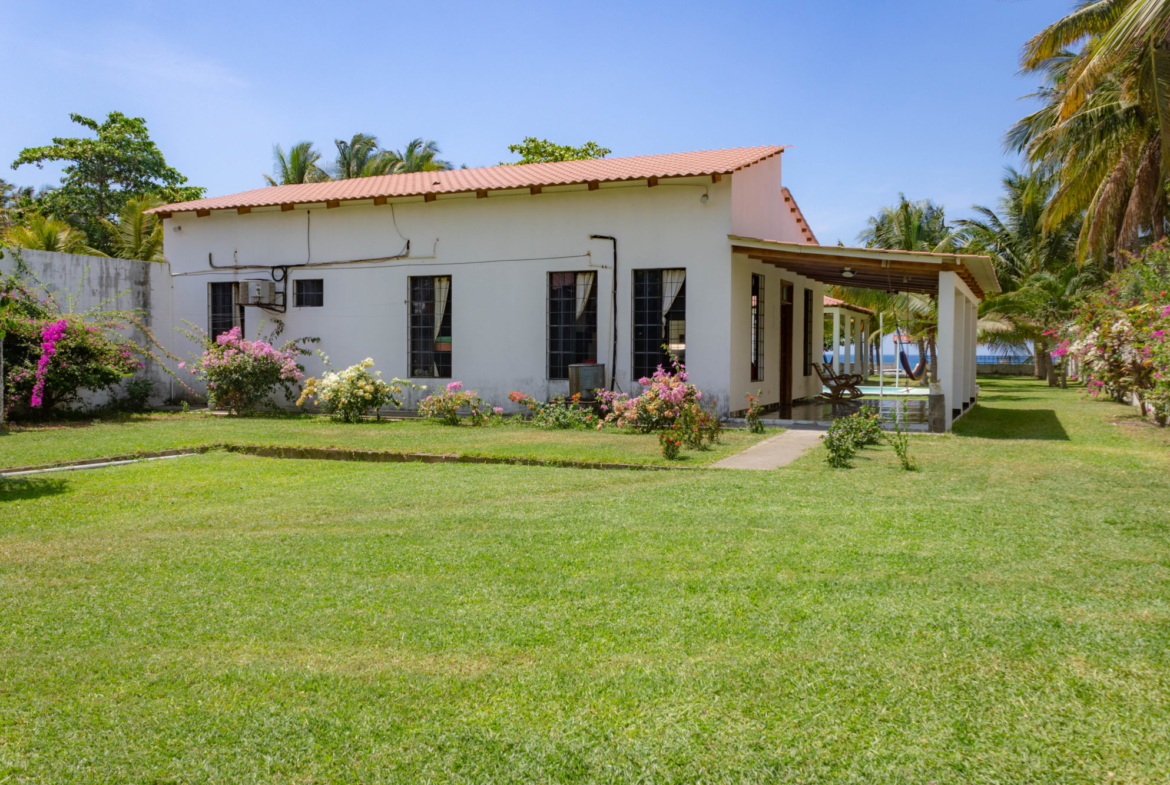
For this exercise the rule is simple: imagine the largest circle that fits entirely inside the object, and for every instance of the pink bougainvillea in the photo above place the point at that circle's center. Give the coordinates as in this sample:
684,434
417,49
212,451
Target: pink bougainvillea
50,335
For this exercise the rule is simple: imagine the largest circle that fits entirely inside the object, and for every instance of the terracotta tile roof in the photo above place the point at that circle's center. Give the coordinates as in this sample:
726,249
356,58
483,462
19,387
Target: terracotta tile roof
833,302
638,167
805,230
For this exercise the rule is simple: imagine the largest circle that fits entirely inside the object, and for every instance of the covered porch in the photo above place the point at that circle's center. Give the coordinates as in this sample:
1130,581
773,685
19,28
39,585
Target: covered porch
958,282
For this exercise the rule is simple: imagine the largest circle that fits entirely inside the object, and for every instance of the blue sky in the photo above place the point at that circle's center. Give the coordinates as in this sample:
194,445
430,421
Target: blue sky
875,97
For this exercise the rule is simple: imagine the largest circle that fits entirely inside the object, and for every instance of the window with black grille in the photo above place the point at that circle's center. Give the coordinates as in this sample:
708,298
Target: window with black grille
808,336
430,327
572,321
660,319
757,328
310,293
223,309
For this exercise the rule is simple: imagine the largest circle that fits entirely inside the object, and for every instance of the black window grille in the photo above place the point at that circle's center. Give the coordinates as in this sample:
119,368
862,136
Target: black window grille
430,327
310,293
223,309
660,318
572,321
757,328
808,336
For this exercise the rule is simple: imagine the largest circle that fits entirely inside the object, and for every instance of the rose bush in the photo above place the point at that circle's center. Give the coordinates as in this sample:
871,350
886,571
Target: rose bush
445,406
667,400
559,413
350,394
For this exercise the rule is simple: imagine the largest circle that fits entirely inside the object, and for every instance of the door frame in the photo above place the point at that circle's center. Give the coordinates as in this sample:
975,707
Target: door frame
787,294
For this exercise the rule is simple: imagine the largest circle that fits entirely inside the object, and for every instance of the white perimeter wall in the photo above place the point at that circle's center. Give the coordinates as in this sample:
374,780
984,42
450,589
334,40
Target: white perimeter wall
80,283
499,307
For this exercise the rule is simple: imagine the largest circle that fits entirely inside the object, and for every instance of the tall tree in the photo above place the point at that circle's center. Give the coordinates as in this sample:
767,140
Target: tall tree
104,172
535,151
298,166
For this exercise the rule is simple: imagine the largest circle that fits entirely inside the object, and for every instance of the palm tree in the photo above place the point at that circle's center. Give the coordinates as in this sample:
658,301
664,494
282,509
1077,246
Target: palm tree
1105,122
909,226
1036,263
137,235
912,226
299,166
356,158
48,234
417,156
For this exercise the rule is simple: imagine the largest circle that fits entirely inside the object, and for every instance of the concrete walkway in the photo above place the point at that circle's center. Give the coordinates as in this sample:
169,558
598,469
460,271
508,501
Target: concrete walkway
775,452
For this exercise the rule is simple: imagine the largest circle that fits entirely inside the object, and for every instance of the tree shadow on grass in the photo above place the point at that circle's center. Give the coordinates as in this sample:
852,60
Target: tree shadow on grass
989,422
14,489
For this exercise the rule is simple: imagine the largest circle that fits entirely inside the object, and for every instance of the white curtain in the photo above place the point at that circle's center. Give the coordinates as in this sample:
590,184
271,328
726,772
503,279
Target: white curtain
584,288
442,287
672,281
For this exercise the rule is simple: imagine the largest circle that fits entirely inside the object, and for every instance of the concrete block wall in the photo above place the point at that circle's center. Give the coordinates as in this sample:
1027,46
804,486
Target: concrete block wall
80,283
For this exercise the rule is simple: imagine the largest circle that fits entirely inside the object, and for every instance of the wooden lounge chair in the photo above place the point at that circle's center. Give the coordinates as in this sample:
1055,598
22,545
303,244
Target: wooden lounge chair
842,387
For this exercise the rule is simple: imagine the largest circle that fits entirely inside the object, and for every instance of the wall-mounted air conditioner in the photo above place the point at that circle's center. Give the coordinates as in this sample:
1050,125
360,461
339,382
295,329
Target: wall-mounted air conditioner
257,292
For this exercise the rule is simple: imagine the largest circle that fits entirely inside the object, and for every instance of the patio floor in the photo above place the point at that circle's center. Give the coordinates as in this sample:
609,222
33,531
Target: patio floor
821,414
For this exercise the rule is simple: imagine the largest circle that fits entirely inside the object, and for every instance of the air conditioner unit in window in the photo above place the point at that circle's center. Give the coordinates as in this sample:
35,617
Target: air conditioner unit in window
257,292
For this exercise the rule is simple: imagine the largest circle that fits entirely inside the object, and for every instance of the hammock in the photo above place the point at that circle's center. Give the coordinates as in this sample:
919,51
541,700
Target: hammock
916,373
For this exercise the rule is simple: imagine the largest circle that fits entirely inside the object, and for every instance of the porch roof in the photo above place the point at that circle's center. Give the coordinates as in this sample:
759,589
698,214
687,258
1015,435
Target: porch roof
872,268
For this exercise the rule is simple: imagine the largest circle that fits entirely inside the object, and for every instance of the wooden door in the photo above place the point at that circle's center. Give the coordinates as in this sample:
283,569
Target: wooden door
786,357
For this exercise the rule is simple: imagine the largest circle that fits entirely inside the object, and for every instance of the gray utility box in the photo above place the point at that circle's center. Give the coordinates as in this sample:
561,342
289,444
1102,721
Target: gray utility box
584,378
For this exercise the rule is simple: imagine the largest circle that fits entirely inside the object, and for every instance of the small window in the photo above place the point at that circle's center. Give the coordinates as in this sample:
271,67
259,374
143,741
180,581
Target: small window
310,293
757,328
572,321
223,308
808,336
660,319
430,327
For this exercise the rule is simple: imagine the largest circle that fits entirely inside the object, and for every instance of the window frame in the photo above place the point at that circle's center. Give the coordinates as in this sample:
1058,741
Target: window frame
665,326
299,296
808,337
440,360
237,310
758,328
589,315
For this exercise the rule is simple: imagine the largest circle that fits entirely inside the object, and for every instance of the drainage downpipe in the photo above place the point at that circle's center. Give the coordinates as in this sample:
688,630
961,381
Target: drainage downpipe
613,352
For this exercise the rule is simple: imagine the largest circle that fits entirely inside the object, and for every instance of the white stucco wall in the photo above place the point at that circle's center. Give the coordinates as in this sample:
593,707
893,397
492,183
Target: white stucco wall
499,306
758,208
741,383
80,283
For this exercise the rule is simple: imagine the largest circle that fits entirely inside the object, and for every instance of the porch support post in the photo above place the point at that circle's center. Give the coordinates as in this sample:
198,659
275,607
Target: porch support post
972,350
948,344
864,347
836,340
854,325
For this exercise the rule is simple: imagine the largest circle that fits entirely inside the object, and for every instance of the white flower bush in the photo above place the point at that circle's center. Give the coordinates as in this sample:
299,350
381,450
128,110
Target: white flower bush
350,394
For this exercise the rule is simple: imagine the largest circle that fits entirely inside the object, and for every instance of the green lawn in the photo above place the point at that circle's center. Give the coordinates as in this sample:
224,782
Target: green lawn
118,437
1001,616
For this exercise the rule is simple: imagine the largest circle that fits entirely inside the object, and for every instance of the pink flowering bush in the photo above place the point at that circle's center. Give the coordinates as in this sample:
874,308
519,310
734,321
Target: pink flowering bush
242,374
51,357
1120,336
667,400
445,406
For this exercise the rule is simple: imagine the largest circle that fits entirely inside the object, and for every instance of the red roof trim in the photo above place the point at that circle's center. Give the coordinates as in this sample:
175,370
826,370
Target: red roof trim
490,178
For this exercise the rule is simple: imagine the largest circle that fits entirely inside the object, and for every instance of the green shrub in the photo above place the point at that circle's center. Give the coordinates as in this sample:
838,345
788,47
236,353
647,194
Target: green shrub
840,444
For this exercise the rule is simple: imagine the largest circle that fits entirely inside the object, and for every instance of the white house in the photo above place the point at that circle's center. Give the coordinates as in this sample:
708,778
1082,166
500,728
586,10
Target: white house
503,276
